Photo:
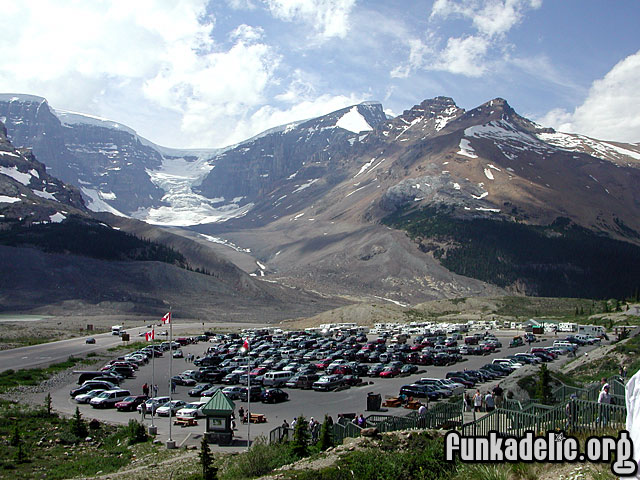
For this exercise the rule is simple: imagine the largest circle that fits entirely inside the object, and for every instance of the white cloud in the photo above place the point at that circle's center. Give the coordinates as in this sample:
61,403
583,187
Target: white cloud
610,111
328,18
489,17
465,56
468,55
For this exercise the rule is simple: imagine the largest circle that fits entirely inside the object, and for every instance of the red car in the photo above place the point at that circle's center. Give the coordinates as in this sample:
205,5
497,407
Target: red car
129,404
390,372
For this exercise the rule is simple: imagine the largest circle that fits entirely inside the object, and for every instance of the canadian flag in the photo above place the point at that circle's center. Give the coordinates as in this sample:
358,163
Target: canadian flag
167,318
245,345
150,335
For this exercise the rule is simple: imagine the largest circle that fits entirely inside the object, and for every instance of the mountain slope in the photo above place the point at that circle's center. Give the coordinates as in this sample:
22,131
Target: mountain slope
485,164
57,256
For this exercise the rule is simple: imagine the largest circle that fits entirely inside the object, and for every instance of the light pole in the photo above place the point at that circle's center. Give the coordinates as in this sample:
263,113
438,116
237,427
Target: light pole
170,443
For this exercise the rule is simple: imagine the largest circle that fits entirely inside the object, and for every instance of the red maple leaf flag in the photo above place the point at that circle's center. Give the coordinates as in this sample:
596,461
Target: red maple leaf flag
245,345
150,335
167,318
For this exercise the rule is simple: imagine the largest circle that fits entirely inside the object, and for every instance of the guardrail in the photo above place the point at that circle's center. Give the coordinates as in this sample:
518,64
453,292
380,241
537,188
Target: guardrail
512,418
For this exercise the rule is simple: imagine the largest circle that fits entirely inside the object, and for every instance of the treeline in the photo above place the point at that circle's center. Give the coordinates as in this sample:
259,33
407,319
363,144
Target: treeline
87,237
557,260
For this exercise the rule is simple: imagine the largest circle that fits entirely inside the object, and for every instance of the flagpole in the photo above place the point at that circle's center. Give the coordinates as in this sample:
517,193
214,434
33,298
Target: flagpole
152,428
248,403
170,442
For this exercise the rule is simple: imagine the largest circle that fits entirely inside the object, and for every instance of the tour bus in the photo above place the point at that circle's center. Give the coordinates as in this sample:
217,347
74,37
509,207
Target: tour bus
276,379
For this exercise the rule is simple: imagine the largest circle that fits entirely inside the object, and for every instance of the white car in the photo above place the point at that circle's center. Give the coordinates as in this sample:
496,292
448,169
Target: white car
86,397
173,406
232,392
153,403
191,410
456,388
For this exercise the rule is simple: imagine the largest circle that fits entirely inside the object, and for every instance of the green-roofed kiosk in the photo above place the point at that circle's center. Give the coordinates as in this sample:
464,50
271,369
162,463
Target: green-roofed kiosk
218,411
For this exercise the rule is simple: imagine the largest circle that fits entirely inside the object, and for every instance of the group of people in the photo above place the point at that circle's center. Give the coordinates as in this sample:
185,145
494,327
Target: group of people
313,424
189,358
486,402
146,388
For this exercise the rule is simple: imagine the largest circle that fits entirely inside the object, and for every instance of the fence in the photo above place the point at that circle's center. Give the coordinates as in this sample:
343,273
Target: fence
582,414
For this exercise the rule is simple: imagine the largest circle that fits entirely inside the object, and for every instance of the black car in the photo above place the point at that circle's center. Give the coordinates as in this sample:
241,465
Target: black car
90,340
274,395
91,385
198,389
256,392
421,391
183,381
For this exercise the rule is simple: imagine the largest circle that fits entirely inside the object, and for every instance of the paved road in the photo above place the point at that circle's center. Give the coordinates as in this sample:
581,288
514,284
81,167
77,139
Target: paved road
54,352
306,402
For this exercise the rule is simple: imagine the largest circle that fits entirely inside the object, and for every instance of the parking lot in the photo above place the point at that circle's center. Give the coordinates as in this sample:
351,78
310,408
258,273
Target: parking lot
307,402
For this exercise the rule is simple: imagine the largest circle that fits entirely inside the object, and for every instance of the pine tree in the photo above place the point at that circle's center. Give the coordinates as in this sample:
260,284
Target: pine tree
47,403
78,427
543,386
301,438
209,471
326,434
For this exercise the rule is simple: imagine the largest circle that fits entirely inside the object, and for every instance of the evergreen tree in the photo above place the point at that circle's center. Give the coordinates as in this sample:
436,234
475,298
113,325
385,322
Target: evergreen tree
209,471
301,438
326,434
78,427
47,403
543,386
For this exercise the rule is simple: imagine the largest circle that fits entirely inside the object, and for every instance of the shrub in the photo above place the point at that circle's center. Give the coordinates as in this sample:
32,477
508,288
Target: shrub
301,438
136,432
259,460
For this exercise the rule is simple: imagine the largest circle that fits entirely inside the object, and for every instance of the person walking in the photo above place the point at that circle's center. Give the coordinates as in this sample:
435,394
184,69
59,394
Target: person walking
145,390
477,401
143,410
489,402
604,399
498,395
173,386
155,390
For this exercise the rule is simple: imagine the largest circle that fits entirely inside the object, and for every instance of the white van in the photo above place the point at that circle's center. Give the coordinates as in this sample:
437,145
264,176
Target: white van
109,398
276,379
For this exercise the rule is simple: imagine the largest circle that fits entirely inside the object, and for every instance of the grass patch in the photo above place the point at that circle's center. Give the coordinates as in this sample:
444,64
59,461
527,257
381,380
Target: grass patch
34,376
43,444
261,459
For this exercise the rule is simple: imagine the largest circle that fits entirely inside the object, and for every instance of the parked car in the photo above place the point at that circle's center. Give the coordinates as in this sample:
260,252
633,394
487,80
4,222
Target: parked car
191,410
232,392
86,397
328,382
274,395
130,403
172,406
152,404
420,391
183,381
256,391
198,389
92,385
109,398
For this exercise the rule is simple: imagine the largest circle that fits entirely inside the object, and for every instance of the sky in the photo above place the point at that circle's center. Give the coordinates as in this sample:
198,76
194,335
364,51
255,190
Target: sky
211,73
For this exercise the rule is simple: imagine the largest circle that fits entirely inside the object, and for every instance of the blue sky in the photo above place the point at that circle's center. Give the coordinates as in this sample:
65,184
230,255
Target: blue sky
198,73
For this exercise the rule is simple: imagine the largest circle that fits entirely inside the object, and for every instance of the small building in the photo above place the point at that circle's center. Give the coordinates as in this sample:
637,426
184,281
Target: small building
218,413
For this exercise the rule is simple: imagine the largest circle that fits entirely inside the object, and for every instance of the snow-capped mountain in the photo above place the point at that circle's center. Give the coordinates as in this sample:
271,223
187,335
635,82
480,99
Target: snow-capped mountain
28,194
308,198
120,172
